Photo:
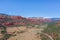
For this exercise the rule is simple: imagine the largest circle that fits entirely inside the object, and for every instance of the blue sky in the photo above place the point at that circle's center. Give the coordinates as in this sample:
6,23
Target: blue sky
31,8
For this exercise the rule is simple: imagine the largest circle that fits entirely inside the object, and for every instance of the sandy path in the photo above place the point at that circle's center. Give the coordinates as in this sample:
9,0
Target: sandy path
28,35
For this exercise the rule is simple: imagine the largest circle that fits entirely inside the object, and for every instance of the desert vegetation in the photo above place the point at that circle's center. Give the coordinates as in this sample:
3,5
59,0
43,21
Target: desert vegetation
53,31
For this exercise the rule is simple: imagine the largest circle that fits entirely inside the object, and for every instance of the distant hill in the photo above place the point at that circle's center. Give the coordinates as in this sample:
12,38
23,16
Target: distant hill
55,18
9,20
2,14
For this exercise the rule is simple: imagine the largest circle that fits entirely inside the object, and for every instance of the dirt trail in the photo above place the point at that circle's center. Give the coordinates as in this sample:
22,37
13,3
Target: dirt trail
28,35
